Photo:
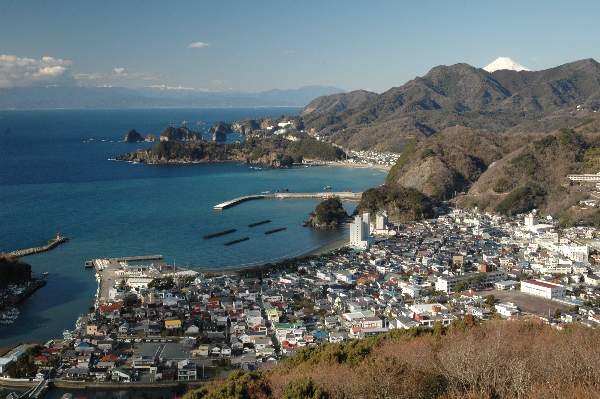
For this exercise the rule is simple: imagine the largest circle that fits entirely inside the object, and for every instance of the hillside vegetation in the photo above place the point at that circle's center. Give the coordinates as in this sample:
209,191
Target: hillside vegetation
403,204
497,359
13,271
505,173
329,213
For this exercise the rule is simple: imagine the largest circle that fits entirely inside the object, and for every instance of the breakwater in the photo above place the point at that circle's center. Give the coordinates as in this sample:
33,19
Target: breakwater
36,250
222,233
259,223
343,195
275,231
236,241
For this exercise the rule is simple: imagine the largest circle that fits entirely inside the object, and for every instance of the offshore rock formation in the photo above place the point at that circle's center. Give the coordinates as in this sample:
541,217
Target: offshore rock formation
133,136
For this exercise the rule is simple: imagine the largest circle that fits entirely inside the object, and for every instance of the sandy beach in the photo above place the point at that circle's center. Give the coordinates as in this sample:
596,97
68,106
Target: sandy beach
360,165
318,251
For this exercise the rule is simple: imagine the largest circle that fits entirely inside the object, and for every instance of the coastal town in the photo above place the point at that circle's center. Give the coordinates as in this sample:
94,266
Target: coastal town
154,322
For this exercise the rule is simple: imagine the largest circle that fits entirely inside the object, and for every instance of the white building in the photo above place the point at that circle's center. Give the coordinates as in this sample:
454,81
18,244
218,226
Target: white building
360,232
577,253
532,224
428,309
413,290
381,222
543,289
507,309
585,177
186,370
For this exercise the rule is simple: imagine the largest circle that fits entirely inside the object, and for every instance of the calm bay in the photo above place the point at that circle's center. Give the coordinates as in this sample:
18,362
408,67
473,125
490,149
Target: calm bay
53,181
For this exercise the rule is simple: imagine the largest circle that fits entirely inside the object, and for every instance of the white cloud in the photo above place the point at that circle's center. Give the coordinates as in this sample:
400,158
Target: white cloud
119,71
218,82
289,51
198,45
51,71
24,72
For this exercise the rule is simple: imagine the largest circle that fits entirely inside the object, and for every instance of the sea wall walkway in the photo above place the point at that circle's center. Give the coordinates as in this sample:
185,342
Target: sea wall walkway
344,195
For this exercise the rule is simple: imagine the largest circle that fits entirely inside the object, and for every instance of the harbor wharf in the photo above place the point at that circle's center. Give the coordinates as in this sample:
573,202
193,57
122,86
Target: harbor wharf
53,243
138,258
343,195
90,263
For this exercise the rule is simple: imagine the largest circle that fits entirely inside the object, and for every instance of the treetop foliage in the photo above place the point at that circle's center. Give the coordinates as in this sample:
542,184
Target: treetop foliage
13,271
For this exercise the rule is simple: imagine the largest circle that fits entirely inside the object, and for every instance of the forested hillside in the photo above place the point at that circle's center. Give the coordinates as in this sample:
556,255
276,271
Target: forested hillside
505,173
461,95
498,359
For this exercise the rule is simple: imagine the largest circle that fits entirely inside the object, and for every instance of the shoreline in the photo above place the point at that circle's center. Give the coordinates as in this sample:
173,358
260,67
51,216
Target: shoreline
384,168
326,247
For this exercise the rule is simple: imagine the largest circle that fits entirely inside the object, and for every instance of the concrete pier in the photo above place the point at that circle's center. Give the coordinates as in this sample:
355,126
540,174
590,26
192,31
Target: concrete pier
235,201
343,195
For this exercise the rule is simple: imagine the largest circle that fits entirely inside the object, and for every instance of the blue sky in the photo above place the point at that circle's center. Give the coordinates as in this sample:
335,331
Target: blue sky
260,45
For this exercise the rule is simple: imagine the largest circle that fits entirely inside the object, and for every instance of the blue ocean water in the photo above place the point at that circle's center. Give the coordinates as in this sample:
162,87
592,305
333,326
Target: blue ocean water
54,181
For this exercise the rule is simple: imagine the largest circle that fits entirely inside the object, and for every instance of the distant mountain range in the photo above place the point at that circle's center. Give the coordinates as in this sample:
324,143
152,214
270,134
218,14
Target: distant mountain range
459,95
57,97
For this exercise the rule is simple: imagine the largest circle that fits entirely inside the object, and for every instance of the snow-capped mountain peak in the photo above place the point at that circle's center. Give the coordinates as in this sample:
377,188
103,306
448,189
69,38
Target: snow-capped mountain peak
505,63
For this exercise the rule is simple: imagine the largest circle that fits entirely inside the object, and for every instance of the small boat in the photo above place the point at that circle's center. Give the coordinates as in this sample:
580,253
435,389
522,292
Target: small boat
45,274
185,122
328,188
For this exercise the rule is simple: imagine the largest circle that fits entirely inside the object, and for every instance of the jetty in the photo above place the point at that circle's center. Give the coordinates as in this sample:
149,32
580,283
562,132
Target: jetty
222,233
343,195
276,230
53,243
259,223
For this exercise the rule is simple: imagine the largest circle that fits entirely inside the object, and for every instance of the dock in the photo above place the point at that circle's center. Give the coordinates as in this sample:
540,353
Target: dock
343,195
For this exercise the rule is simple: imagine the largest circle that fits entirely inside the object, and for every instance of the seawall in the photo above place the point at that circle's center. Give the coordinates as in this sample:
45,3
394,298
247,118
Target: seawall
36,250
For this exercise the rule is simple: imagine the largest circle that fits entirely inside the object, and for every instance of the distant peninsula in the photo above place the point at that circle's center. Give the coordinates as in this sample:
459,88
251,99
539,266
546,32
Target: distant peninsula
274,152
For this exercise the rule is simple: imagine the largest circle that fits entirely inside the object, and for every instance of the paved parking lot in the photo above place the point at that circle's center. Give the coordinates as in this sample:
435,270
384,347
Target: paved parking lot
527,303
